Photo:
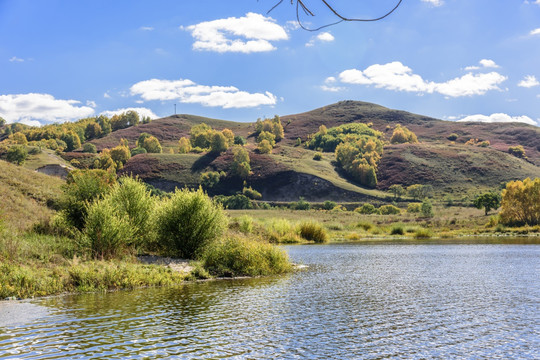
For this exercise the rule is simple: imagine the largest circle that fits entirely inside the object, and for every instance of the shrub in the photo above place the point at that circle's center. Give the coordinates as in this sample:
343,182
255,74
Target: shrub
265,147
138,150
452,137
152,145
184,145
521,203
397,230
282,231
239,140
427,209
422,234
365,225
317,156
106,235
34,150
414,208
389,210
234,202
403,135
17,154
313,231
89,148
132,200
245,224
187,222
329,205
366,208
210,179
517,151
251,193
301,205
243,257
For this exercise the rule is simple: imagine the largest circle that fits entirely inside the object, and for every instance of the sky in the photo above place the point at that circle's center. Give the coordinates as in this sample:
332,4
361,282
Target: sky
63,60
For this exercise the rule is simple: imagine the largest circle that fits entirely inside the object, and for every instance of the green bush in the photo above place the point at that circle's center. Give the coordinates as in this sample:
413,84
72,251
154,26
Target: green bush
89,148
317,156
234,202
452,137
389,210
365,225
138,150
427,209
301,205
313,231
132,201
231,257
422,234
251,193
106,235
397,230
245,224
367,208
329,205
17,154
414,208
282,231
187,222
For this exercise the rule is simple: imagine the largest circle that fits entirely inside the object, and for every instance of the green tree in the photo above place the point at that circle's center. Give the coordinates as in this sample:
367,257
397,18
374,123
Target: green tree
72,140
105,124
89,148
268,136
241,163
427,209
152,145
2,121
20,139
92,131
415,191
143,136
265,147
218,142
397,190
403,135
120,155
17,154
488,201
210,179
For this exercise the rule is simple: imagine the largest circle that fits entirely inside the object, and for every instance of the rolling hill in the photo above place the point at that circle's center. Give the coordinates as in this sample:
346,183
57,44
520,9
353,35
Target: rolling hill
451,167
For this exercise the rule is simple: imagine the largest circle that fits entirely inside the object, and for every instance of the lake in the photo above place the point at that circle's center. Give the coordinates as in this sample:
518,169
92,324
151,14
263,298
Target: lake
365,301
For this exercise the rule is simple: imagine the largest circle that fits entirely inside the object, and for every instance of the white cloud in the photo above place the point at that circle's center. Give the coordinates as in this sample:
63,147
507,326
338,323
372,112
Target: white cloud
16,59
498,118
398,77
486,63
434,2
251,33
535,31
537,2
146,28
322,37
41,107
529,81
186,91
106,95
331,88
140,110
91,103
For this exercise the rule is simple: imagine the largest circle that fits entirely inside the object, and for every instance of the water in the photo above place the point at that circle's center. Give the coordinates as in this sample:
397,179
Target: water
356,301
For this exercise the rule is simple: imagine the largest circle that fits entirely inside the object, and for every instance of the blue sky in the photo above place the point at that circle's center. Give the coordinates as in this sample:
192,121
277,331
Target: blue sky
451,59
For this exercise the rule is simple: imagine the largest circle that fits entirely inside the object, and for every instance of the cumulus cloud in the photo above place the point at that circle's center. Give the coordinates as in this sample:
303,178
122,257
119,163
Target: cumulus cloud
434,2
398,77
43,108
187,91
322,37
146,28
499,118
248,34
486,63
140,110
535,31
529,81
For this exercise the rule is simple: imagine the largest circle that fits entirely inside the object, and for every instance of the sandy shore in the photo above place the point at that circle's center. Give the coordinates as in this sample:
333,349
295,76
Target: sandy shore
178,265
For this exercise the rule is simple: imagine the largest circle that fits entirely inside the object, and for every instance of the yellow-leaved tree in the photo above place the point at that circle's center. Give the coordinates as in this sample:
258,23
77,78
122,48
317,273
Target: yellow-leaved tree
521,203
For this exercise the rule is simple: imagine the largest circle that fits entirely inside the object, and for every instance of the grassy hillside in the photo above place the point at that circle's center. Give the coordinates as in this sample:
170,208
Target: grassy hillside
26,196
452,167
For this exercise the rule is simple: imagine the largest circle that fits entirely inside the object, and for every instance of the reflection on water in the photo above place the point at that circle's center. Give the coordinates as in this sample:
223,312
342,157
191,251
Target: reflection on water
355,301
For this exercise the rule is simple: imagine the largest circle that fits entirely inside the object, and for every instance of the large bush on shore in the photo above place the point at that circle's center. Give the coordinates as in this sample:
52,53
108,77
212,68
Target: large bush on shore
188,221
243,257
120,221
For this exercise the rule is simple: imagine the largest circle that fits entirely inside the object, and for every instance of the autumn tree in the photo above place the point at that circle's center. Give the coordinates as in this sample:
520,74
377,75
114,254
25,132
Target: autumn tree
520,203
218,142
20,138
120,155
517,151
397,190
152,145
92,131
72,140
184,145
17,154
403,135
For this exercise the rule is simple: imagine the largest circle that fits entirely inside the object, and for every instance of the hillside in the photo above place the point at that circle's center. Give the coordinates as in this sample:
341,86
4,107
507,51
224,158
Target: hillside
452,167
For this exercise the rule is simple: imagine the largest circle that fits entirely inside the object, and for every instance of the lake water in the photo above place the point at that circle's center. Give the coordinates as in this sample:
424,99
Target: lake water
365,301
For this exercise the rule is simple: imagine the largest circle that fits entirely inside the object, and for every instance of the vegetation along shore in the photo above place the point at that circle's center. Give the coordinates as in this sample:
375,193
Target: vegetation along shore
87,205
